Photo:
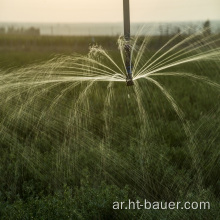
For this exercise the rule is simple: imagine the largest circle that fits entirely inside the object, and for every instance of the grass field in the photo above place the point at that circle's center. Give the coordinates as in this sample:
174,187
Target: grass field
70,149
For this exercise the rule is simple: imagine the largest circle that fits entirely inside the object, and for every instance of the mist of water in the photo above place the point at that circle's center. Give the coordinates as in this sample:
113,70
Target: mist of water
78,106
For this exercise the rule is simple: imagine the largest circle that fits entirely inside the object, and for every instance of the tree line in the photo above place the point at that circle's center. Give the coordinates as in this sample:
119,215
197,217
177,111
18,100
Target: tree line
20,31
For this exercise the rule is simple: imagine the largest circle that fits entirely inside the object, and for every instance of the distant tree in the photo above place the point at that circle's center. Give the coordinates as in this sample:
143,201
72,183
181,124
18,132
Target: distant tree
2,30
192,29
176,30
207,28
167,33
21,31
32,31
161,30
11,30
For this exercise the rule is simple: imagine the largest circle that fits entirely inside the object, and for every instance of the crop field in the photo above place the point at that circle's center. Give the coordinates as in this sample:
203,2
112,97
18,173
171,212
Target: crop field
74,138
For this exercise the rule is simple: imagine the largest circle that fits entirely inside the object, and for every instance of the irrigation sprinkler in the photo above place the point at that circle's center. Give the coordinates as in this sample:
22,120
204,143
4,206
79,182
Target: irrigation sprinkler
127,47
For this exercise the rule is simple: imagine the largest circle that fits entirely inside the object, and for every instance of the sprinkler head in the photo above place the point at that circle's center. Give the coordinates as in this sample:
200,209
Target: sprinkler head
129,78
130,82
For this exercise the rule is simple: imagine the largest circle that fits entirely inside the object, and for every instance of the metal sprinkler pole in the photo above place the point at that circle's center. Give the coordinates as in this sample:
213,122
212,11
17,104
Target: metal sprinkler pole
127,47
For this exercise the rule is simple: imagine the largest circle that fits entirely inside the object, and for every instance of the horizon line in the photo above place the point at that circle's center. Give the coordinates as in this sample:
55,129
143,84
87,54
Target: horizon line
107,22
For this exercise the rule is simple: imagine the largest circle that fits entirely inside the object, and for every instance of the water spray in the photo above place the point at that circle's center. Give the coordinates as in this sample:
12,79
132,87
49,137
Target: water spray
127,47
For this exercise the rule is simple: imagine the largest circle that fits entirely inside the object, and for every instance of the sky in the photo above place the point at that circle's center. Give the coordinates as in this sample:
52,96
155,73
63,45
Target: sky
107,10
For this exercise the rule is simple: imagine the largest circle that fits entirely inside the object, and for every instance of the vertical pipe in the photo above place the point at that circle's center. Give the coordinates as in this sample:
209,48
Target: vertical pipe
126,20
127,48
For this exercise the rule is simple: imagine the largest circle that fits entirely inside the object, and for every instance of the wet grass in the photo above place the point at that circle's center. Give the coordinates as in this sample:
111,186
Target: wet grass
72,160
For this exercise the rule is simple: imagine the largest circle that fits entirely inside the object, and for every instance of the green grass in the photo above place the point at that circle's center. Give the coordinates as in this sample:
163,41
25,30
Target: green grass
16,51
54,168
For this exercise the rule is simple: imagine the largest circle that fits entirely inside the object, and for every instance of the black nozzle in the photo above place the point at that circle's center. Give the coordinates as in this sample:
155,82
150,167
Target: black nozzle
130,82
129,79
